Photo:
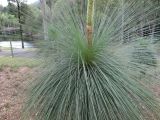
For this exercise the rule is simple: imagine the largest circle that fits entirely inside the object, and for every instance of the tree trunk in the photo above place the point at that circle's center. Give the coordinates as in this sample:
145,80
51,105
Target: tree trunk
43,7
89,27
20,23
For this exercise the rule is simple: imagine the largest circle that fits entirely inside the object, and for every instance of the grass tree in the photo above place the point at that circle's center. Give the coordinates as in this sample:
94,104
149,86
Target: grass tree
89,72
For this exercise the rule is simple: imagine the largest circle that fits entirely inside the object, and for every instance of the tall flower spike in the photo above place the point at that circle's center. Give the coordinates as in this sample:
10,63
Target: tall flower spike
90,14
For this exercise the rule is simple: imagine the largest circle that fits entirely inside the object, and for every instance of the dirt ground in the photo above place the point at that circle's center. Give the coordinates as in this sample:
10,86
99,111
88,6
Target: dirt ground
13,87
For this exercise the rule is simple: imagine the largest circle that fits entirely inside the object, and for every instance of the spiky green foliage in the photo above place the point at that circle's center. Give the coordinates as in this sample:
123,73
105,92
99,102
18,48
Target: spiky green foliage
143,54
93,83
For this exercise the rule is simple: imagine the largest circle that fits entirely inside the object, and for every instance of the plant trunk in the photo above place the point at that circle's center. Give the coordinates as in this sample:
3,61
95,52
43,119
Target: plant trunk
89,27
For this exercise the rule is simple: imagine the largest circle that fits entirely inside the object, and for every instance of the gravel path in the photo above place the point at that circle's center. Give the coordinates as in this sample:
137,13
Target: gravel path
19,53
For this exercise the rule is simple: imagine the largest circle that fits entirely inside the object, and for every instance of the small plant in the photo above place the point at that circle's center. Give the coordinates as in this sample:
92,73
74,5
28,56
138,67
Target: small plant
83,78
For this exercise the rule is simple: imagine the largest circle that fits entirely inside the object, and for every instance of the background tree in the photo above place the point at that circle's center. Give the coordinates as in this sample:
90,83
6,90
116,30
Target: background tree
35,26
20,4
43,9
1,8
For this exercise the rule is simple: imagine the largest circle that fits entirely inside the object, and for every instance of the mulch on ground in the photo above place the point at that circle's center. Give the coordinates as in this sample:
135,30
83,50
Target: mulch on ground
12,92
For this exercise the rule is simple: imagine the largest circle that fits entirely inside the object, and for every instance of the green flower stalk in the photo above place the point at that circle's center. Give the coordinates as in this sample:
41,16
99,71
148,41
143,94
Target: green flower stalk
90,15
